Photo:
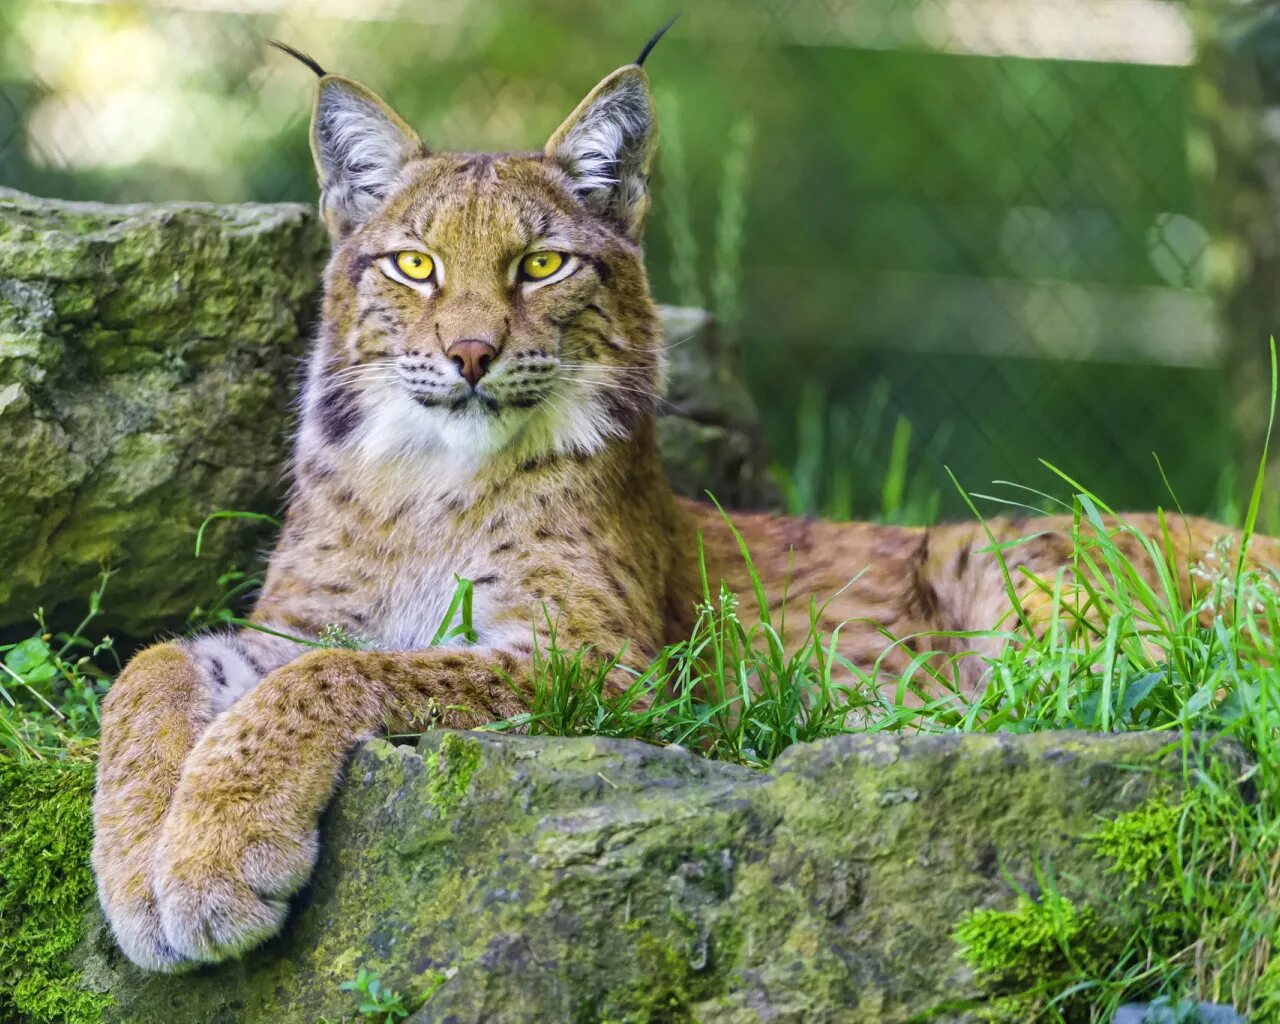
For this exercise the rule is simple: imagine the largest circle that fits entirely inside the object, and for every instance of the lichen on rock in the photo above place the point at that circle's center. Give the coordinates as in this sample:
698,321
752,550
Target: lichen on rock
513,879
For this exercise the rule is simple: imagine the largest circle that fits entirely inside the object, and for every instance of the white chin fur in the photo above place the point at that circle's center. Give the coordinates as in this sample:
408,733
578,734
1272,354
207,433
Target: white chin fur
396,427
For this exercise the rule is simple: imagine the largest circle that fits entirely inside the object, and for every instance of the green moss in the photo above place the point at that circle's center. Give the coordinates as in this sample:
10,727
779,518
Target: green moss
1192,872
45,880
1023,945
664,992
1140,843
1024,957
675,973
1020,955
451,768
667,989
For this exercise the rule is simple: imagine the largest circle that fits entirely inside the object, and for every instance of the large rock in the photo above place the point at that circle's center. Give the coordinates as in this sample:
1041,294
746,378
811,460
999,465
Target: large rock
510,880
709,428
148,360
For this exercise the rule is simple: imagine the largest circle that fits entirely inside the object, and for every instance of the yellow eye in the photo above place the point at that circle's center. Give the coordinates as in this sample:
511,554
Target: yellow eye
538,266
416,266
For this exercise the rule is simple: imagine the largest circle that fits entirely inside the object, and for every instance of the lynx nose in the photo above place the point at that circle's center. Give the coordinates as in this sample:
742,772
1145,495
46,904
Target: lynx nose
472,358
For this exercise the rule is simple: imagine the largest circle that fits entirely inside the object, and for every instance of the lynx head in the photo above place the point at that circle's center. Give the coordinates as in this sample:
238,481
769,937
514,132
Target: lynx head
483,303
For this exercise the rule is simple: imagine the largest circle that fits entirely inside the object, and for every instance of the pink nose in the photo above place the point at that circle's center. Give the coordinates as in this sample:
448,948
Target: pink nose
472,358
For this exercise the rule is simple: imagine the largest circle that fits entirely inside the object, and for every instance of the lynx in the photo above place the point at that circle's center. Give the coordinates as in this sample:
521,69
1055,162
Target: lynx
479,403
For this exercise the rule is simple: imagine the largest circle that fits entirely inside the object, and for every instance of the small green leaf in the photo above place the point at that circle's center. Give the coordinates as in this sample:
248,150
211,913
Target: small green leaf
1138,691
32,661
1200,700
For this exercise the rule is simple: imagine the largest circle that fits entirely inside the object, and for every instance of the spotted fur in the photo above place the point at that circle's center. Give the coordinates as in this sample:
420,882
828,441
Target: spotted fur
540,483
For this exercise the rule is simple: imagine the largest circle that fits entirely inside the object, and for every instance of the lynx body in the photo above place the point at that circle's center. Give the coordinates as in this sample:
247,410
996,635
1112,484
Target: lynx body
479,403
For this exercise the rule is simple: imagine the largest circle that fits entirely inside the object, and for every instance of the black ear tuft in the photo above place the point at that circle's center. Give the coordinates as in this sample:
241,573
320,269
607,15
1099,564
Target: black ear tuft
648,47
298,55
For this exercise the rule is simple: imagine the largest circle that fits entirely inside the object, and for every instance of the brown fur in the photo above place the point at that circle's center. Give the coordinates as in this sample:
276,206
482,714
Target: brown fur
542,486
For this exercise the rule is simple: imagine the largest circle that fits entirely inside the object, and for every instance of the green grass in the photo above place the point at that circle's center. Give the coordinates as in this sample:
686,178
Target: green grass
871,451
732,690
1140,660
51,685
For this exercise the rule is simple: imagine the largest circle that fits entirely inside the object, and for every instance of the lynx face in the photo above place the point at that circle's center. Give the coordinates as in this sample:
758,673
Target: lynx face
485,303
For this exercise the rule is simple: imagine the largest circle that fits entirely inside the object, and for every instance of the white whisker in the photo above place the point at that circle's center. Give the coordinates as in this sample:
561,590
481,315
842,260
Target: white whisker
625,389
365,372
668,346
633,371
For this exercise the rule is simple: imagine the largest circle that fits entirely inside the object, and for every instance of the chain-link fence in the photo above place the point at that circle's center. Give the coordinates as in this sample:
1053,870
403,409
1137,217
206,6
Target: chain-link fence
971,233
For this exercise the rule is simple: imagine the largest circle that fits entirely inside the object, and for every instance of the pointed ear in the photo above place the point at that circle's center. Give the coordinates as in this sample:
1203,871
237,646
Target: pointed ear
606,147
360,146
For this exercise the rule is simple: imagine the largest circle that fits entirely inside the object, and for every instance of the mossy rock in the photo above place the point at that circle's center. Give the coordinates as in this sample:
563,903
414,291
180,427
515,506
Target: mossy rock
709,427
148,361
146,355
509,879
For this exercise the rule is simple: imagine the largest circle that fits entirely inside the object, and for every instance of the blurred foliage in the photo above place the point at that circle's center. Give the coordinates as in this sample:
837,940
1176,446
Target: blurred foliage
914,198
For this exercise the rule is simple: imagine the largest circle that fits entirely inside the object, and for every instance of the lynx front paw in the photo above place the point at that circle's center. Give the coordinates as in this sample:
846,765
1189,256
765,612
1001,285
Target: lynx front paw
151,719
135,923
122,869
221,891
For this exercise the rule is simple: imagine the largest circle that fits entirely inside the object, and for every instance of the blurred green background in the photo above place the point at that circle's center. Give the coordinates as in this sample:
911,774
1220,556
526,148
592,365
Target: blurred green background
964,233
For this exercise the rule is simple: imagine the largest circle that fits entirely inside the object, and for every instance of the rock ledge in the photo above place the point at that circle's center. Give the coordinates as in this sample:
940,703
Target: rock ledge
506,879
